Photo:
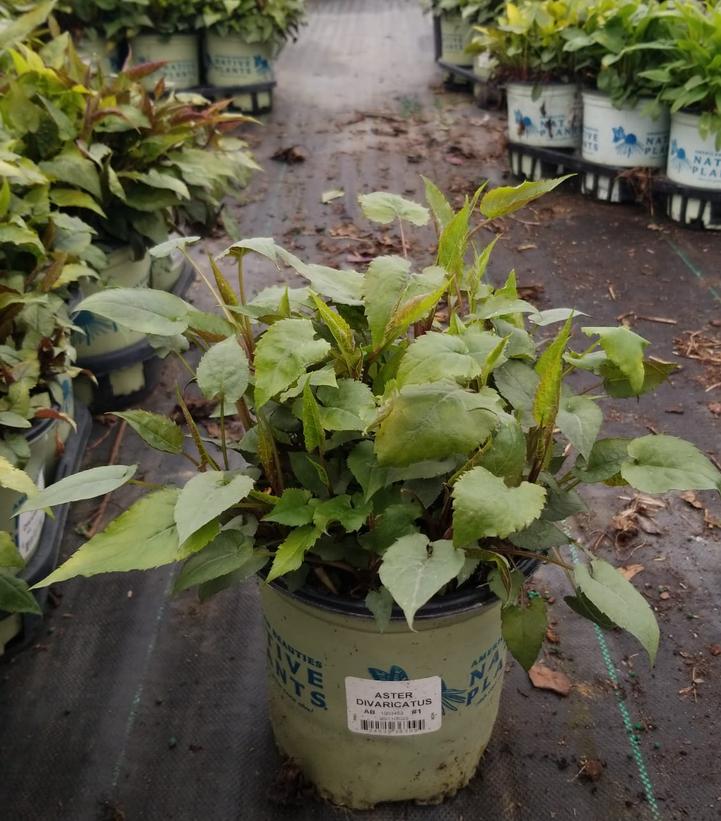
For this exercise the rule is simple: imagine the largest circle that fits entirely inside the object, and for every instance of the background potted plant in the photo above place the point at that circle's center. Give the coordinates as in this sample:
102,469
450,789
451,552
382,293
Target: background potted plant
387,459
527,44
456,19
617,44
688,80
243,36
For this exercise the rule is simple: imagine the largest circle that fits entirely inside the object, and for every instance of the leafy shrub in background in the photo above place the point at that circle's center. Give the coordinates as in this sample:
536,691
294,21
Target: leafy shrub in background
270,21
474,11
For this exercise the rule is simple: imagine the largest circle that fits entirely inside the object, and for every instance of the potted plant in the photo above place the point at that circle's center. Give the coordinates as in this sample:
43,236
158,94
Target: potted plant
395,463
527,44
456,19
688,81
619,42
169,37
150,166
242,37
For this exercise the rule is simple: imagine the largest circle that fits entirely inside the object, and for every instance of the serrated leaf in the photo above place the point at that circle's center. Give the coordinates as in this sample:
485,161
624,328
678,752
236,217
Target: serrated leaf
579,420
229,551
523,629
144,310
282,355
506,456
313,433
661,463
439,205
15,479
291,552
160,432
9,554
383,208
223,371
414,570
619,601
292,509
87,484
206,496
15,595
550,371
625,349
142,538
380,604
434,421
504,200
483,506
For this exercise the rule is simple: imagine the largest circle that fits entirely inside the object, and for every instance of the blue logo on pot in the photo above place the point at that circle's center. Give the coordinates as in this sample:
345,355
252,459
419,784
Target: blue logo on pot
677,157
449,696
626,143
524,124
262,66
91,327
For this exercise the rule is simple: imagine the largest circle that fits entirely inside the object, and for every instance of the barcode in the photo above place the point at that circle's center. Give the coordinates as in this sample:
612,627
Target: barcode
416,725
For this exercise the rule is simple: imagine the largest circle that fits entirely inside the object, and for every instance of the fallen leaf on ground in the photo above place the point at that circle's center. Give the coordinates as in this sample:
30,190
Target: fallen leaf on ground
630,570
692,499
710,520
665,595
528,246
543,678
715,408
329,196
552,636
591,769
715,649
291,155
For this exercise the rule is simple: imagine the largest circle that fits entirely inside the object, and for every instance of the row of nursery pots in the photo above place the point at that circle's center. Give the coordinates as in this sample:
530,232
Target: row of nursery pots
559,116
223,62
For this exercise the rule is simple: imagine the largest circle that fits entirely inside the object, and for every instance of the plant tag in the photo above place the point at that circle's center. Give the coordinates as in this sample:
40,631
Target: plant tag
393,707
29,525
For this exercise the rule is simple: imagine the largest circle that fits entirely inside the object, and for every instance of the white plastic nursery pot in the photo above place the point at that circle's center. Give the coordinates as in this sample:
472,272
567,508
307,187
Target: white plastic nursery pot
392,716
622,137
166,271
180,53
26,528
483,66
692,159
231,61
545,115
456,34
102,336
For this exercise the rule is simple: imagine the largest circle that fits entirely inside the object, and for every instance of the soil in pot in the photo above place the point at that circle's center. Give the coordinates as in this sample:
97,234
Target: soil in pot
392,716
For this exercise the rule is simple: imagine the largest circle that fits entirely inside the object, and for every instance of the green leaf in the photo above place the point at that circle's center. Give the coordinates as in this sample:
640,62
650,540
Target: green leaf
141,538
200,539
625,349
15,595
581,605
661,463
341,509
619,601
518,383
70,198
20,27
550,371
523,630
442,210
144,310
539,535
384,208
290,554
604,461
230,551
340,330
618,385
9,554
165,249
484,506
506,456
13,478
160,432
223,372
282,355
414,570
293,508
206,496
385,283
436,356
74,168
84,485
348,406
380,603
313,433
434,421
579,420
506,199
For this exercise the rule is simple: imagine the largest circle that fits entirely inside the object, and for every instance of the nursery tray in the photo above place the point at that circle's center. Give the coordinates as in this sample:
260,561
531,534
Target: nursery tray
44,559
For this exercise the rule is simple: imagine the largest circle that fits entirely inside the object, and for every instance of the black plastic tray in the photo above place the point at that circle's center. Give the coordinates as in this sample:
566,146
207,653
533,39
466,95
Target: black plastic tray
44,559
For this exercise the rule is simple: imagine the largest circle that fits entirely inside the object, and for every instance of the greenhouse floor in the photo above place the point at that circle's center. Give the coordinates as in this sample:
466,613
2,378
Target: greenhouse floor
131,705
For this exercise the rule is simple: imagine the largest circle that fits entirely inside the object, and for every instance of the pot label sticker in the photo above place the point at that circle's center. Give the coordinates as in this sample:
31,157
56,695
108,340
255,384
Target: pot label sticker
29,525
393,707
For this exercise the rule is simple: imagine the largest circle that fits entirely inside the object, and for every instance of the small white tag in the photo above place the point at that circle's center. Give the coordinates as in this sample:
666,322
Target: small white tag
393,707
29,526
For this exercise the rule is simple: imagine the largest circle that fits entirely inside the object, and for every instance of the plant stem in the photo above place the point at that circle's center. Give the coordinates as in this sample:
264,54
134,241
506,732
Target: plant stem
223,443
404,245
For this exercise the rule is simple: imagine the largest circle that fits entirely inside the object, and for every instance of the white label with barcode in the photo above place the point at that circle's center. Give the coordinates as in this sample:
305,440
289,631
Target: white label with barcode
393,707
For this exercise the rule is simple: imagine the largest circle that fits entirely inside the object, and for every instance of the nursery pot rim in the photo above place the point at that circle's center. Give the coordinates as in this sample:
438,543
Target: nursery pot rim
543,83
34,432
462,601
